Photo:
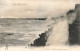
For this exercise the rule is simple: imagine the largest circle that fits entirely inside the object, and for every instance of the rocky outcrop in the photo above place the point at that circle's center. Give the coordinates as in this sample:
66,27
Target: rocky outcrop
40,41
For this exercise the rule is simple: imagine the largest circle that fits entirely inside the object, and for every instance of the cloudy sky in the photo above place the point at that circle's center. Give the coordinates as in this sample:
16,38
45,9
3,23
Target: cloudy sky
35,8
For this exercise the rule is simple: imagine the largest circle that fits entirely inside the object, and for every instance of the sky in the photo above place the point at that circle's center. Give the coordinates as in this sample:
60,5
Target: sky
35,8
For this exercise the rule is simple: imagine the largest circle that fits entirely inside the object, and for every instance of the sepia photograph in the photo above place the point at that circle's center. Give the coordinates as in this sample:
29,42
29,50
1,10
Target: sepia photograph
39,25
